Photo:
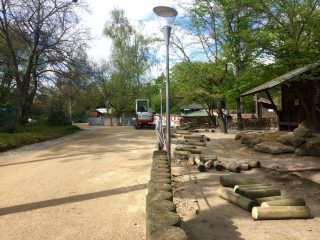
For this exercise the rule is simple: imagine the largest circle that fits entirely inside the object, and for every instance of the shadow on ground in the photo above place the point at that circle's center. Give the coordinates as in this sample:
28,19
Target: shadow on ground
70,199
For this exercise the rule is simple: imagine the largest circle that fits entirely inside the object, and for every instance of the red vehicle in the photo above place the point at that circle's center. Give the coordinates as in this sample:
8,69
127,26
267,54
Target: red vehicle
144,114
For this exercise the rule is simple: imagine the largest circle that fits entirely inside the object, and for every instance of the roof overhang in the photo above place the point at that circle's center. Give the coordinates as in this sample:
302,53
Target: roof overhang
279,80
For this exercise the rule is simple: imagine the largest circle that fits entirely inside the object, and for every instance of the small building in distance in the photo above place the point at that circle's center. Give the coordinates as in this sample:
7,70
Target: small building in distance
300,97
191,109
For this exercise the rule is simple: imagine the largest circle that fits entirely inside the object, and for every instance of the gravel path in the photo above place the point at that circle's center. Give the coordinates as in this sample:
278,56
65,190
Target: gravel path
90,185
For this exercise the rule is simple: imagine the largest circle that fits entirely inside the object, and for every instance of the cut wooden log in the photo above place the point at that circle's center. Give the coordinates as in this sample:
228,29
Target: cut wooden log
199,164
191,161
245,166
193,137
267,199
236,199
258,193
205,158
254,164
181,153
261,188
208,164
183,132
233,167
285,202
181,147
251,186
196,143
194,140
174,135
281,212
218,166
232,180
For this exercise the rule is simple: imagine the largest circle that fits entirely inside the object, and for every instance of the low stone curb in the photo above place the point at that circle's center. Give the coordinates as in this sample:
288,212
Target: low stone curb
162,220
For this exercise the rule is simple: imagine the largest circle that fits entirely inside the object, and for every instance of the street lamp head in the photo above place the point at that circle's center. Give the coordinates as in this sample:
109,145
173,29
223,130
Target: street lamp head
166,15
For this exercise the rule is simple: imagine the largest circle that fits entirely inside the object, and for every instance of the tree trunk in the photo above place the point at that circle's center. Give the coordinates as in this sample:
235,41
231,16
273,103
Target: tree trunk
222,119
212,121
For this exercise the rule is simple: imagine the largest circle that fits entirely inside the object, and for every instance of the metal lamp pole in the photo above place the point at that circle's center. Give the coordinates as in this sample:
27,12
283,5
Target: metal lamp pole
166,17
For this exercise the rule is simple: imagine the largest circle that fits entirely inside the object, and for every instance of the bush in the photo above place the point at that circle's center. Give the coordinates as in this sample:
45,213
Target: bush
57,117
32,134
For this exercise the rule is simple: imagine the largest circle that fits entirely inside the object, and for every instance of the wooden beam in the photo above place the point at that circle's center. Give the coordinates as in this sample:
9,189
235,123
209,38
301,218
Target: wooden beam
240,123
272,103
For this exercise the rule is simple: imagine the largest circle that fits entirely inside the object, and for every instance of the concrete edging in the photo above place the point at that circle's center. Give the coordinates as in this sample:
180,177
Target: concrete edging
162,221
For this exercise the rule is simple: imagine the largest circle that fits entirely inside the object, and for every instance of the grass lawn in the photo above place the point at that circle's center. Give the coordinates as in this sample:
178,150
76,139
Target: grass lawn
33,134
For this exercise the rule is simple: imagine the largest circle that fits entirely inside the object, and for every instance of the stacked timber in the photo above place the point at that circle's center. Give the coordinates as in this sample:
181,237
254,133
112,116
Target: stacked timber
161,218
263,200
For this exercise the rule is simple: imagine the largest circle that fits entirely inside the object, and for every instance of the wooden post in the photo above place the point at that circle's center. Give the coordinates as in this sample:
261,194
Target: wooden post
240,123
272,103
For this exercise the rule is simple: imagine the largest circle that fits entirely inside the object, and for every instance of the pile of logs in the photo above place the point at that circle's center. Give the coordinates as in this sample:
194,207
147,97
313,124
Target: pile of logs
263,200
189,147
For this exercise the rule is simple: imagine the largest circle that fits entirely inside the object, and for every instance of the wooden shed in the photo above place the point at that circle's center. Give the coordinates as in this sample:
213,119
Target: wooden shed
300,97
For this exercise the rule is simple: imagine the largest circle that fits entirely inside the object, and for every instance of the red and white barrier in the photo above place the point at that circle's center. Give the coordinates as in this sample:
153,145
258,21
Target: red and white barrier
174,120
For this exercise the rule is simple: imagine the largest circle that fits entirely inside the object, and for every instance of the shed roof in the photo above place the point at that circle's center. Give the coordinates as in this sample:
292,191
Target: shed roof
279,80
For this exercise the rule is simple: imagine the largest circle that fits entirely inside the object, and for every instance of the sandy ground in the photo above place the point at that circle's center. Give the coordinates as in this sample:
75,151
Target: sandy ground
91,185
206,216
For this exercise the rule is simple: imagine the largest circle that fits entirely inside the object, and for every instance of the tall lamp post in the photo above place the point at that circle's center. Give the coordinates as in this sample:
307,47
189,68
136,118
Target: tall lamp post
166,17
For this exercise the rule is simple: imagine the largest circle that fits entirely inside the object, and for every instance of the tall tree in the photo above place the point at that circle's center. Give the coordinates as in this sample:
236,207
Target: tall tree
50,31
128,63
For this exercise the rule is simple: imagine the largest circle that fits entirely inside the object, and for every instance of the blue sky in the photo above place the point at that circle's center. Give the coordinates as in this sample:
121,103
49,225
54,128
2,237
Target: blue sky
138,11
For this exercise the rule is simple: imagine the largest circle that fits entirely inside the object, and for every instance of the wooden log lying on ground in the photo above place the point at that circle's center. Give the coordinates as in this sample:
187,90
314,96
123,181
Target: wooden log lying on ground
251,186
218,166
258,193
231,166
232,180
280,212
178,141
196,143
183,132
208,164
191,161
182,147
245,166
208,157
174,135
197,137
236,199
267,199
181,153
285,202
254,164
199,164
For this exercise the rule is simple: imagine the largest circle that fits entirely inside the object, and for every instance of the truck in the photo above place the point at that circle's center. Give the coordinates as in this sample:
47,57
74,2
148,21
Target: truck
144,116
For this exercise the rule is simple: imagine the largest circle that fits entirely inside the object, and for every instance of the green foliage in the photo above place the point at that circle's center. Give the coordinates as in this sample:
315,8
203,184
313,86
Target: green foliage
57,116
32,134
203,83
9,117
121,81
